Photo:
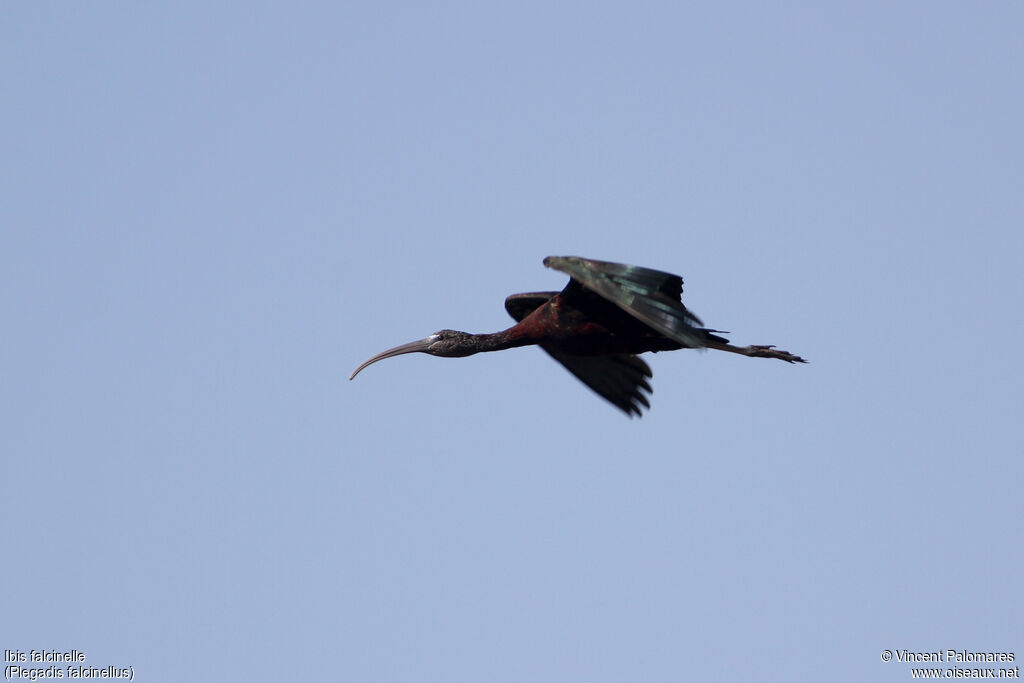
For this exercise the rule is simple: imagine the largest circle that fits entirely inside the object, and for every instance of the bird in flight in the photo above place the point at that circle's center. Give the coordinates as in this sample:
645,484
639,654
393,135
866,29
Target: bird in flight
595,327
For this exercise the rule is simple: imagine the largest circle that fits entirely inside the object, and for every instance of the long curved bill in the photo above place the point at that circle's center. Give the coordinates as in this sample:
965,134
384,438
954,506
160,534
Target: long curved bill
420,346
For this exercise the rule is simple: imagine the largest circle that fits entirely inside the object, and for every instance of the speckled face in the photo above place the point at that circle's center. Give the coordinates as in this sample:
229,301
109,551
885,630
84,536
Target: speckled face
449,344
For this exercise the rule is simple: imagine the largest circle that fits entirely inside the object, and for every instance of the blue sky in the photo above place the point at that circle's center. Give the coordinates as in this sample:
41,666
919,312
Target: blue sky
211,214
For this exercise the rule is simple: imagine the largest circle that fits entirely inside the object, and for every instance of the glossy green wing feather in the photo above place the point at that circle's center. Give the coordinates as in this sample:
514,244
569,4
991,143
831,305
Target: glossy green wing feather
650,296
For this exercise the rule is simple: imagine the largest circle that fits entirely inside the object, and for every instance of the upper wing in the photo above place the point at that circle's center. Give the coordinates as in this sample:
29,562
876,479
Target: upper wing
620,379
650,296
521,305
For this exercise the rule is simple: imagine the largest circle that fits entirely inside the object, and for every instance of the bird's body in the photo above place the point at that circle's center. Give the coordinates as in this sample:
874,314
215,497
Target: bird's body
595,327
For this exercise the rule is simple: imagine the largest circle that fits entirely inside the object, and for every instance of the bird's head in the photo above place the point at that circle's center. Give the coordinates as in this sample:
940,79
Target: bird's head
443,343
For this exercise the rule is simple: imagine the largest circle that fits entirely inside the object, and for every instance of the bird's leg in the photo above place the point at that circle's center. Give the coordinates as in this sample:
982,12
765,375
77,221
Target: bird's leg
756,351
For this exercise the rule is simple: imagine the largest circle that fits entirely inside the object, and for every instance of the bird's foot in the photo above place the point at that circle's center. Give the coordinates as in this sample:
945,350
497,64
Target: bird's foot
770,351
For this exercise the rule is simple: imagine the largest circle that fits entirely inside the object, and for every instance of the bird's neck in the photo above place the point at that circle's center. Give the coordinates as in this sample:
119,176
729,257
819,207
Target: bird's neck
506,339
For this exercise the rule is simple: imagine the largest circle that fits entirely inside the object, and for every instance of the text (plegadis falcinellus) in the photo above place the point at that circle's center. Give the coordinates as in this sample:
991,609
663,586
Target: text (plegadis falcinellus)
608,313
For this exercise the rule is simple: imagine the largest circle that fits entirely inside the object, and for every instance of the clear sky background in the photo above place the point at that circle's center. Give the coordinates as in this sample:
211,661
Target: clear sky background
211,213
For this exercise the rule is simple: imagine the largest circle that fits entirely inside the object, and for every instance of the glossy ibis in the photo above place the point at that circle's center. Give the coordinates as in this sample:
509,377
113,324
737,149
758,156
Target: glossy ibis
608,313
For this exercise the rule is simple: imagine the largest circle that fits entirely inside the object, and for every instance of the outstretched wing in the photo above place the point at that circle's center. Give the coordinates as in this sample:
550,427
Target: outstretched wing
620,379
521,305
650,296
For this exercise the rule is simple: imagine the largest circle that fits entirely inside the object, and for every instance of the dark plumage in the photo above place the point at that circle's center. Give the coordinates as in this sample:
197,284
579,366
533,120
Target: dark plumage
595,327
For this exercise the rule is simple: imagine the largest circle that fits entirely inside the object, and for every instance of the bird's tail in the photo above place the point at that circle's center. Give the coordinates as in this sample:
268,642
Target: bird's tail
710,336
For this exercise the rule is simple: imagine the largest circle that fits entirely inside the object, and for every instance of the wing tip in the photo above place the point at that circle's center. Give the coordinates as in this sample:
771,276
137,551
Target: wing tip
557,261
